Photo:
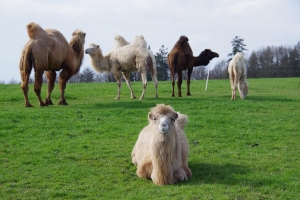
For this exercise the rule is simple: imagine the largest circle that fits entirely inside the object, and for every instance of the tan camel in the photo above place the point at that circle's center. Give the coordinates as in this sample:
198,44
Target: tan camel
48,50
161,150
123,59
181,58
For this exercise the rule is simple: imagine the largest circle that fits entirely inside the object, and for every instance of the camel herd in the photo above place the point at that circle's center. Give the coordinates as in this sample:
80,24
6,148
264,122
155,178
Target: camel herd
161,150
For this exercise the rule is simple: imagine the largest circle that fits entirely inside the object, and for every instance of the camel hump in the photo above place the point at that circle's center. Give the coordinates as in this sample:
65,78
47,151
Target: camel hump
34,30
120,41
182,120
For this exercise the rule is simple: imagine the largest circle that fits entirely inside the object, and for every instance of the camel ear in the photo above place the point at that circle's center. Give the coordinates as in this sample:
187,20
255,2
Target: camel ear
73,33
150,115
98,46
174,117
84,35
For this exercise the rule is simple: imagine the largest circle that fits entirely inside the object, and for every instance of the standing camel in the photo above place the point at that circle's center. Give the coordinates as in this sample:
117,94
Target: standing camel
48,50
123,59
181,58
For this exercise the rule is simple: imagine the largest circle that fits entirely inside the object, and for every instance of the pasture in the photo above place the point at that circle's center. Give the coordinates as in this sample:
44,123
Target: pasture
243,149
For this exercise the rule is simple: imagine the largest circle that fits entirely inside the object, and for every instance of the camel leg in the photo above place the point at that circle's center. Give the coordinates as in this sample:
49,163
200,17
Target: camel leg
231,78
24,86
38,85
152,71
64,76
173,82
179,82
154,79
126,76
144,169
188,81
144,80
51,76
118,76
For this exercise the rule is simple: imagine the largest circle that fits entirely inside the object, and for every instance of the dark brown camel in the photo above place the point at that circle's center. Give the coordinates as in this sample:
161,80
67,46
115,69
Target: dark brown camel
48,50
181,58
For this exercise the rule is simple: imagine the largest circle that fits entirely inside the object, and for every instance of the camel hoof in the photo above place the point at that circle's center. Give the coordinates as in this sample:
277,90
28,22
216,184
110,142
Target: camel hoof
28,105
48,102
134,97
189,94
63,102
43,104
117,98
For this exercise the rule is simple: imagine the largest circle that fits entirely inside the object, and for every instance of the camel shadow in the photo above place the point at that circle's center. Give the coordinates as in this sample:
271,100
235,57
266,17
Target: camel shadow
271,99
226,174
205,173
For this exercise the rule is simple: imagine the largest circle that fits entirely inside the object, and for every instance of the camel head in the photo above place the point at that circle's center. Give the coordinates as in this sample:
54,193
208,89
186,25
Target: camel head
209,54
163,117
93,50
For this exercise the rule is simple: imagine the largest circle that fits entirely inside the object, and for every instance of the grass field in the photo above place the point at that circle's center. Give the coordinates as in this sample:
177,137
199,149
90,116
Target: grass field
243,149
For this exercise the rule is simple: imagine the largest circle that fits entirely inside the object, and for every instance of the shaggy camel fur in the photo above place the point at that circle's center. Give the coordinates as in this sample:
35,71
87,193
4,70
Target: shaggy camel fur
48,50
237,74
161,150
181,58
124,59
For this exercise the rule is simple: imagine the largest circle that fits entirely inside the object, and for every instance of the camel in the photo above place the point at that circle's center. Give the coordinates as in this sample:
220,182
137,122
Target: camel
237,74
161,150
48,50
123,59
181,58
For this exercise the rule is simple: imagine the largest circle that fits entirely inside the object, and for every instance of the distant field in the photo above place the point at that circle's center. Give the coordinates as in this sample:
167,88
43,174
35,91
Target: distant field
243,149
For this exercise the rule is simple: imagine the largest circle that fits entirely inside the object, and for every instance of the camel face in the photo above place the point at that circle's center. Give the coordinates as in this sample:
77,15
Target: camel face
164,125
92,49
211,54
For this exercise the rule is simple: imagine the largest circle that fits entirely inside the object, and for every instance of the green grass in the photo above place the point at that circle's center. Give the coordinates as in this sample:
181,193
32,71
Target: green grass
84,150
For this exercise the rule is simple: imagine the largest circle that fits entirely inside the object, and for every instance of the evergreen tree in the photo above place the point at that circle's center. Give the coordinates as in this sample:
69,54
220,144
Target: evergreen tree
162,64
237,46
253,68
87,76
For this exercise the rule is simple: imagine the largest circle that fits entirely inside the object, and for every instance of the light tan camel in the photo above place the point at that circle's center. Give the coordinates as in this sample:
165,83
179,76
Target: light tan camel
161,150
237,74
48,50
124,59
181,58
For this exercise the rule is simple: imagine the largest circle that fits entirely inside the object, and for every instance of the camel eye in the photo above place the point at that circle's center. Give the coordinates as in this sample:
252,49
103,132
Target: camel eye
154,118
172,119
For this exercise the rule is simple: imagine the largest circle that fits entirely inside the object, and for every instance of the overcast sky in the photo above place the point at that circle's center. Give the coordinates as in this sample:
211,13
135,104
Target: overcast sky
208,24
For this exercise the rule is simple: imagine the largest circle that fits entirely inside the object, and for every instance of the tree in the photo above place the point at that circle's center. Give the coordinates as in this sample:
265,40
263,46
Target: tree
162,64
87,76
237,46
220,70
253,68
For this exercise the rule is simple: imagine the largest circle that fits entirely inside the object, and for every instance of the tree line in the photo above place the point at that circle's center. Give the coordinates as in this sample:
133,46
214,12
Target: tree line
267,62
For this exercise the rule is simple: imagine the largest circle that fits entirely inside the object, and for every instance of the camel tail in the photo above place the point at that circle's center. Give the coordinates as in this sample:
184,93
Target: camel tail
26,61
182,120
34,30
151,64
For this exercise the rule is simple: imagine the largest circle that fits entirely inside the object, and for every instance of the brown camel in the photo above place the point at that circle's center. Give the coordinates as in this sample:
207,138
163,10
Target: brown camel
48,50
181,58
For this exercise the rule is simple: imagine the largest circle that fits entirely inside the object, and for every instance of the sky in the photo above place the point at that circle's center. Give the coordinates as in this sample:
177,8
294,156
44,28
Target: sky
209,24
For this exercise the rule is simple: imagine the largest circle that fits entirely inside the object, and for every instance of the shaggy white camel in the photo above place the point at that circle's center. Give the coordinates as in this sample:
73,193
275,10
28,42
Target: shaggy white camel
237,74
124,59
161,150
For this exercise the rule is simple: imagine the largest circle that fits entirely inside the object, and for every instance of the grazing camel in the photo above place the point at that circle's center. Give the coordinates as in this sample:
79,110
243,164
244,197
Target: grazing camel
237,75
161,150
123,59
181,58
48,50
